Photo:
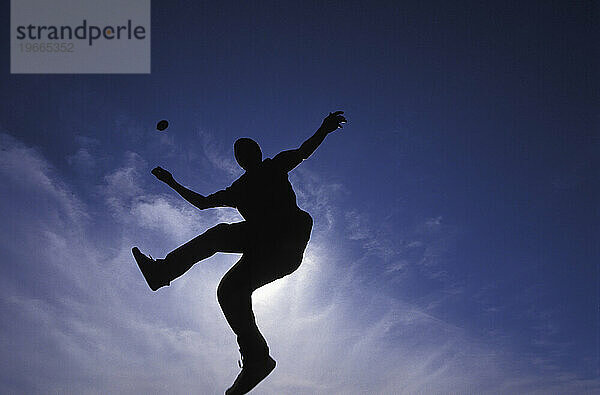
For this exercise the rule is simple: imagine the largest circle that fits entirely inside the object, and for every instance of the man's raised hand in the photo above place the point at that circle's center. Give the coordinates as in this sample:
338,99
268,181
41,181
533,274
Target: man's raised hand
333,121
163,175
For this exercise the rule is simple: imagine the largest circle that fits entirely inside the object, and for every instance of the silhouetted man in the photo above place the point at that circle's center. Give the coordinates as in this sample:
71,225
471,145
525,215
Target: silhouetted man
272,240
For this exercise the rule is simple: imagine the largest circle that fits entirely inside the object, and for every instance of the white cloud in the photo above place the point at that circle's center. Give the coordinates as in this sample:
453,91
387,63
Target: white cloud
218,156
82,159
83,321
24,167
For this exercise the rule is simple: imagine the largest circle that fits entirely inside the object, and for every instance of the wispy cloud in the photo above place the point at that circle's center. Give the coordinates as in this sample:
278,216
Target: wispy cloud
220,157
82,159
83,321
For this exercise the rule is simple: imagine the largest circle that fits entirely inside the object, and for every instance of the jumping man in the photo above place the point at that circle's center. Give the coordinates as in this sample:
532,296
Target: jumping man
272,240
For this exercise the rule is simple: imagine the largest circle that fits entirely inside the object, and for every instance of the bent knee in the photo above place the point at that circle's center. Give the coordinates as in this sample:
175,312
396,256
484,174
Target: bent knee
226,291
231,290
222,292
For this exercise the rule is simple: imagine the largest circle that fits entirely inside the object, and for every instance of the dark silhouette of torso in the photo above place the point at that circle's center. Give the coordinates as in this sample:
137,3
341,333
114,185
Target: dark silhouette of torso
263,195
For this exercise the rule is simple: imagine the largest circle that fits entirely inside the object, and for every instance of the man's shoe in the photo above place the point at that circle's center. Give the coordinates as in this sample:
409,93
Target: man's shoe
253,372
152,271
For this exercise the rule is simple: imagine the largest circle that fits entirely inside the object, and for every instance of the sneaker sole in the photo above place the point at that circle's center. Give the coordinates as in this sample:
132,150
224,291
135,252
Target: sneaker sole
140,259
257,380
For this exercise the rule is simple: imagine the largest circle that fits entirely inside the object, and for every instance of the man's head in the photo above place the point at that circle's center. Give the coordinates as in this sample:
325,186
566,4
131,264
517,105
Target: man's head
247,153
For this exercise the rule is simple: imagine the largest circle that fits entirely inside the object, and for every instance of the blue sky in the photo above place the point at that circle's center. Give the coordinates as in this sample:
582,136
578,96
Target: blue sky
456,215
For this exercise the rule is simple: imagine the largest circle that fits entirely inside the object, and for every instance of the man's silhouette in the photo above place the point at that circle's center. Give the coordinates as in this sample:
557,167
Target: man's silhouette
272,240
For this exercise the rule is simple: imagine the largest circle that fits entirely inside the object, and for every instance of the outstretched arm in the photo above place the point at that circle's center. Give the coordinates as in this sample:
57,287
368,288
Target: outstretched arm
196,199
292,158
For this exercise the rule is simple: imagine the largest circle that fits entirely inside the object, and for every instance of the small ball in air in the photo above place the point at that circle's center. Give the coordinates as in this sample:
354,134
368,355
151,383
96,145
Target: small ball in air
162,125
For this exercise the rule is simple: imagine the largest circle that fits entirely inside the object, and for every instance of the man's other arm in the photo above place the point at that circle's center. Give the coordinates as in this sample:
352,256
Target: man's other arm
292,158
217,199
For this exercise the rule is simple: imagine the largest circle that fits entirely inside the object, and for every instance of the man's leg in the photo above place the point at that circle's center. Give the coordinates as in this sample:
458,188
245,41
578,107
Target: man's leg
219,238
234,294
235,297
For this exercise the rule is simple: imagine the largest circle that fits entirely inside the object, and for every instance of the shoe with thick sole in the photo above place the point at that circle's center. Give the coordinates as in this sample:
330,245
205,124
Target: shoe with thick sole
150,270
252,373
